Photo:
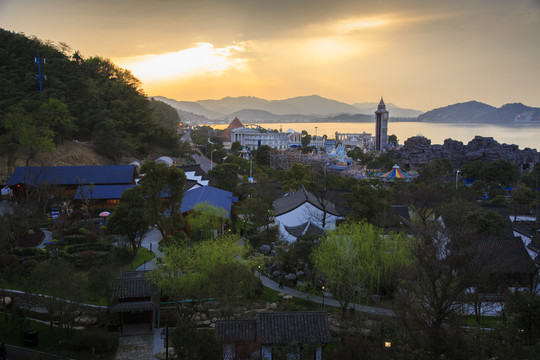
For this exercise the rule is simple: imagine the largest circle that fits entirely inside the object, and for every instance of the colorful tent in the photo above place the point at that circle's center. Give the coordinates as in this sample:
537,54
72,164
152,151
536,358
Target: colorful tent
395,173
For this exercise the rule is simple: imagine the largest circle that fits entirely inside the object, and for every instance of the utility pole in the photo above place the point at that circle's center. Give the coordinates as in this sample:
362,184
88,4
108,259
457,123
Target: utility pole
40,77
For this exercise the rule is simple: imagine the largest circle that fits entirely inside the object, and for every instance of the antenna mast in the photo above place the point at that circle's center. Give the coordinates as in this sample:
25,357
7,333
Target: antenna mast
39,77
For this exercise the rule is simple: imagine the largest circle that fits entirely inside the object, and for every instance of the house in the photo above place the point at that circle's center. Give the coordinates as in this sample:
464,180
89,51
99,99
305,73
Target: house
101,196
505,262
295,335
136,300
303,209
195,176
62,182
210,195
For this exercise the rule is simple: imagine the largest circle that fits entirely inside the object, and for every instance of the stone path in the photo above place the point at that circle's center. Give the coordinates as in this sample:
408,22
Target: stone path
137,347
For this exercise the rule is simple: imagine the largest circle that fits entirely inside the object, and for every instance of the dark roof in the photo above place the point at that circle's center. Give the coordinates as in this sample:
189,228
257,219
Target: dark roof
100,192
73,175
134,306
210,195
504,255
196,168
133,287
236,331
401,211
287,327
277,328
290,202
307,228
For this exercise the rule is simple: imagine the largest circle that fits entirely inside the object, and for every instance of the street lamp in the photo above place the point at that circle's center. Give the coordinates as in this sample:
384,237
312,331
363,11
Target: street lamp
323,296
457,175
211,153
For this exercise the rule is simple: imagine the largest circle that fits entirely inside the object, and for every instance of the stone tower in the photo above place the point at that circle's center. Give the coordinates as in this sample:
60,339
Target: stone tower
381,126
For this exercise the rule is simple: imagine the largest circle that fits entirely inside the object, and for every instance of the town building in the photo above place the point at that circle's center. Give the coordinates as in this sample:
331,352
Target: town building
275,335
381,126
302,212
253,138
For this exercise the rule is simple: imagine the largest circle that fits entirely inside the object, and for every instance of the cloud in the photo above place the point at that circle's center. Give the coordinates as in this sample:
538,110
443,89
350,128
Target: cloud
204,59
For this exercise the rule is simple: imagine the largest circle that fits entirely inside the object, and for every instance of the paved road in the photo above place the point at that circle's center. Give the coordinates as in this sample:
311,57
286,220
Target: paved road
151,242
269,283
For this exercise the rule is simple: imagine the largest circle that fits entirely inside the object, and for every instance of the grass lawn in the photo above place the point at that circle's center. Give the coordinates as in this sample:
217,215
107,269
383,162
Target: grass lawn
485,321
12,330
143,255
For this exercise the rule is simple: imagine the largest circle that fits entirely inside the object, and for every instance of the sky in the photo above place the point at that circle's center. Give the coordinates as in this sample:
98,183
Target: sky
419,54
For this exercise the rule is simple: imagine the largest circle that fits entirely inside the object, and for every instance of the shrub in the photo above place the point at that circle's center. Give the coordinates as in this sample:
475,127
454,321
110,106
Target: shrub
83,247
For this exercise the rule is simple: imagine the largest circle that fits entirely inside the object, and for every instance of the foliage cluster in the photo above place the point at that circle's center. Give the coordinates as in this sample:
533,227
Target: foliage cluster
85,99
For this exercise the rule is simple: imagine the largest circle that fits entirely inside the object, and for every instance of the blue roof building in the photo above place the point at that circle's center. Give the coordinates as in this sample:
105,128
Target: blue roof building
210,195
73,175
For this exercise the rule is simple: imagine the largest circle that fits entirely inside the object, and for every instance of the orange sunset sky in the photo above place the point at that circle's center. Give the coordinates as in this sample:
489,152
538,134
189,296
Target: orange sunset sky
421,54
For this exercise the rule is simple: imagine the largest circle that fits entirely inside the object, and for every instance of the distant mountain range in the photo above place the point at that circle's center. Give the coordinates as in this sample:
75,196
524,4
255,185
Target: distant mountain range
480,113
318,109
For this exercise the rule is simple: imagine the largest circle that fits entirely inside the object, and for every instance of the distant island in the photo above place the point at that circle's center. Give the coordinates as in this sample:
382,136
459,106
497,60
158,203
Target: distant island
315,108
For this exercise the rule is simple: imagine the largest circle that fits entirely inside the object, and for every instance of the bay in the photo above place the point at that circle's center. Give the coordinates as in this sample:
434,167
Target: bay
521,135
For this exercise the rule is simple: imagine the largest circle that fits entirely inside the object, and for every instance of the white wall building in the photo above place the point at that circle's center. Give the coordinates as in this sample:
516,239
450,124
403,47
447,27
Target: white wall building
253,138
300,212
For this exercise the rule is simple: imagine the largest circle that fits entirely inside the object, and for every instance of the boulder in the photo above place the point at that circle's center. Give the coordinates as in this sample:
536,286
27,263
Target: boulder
287,297
290,277
371,325
6,300
265,249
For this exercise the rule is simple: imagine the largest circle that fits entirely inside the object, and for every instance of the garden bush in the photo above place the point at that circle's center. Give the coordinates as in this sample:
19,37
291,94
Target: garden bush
83,247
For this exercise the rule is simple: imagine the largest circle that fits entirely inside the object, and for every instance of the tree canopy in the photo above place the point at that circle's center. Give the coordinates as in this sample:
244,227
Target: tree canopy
88,99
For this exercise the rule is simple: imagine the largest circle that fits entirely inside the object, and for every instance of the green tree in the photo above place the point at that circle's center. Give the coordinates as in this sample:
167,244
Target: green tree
195,271
128,218
392,139
32,136
235,148
297,176
163,190
433,288
522,199
56,114
357,260
371,201
204,219
262,155
226,176
60,290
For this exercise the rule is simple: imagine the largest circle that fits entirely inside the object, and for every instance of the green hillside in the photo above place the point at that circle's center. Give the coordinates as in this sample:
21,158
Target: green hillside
84,99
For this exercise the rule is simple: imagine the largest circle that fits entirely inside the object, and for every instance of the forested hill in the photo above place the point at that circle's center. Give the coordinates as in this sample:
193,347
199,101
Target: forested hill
82,99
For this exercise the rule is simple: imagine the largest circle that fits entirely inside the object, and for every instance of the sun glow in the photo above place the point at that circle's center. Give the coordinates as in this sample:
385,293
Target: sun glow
201,60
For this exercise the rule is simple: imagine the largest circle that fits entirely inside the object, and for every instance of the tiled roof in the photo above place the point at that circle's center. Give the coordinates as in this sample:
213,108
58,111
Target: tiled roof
307,228
73,175
287,327
504,255
236,331
290,202
100,192
134,306
277,328
132,287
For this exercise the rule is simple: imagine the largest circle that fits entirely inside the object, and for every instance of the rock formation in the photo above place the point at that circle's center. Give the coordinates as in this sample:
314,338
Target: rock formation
418,151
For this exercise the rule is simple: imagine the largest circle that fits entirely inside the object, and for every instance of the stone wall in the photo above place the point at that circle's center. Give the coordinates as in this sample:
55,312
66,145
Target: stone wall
418,151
